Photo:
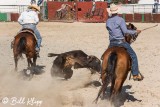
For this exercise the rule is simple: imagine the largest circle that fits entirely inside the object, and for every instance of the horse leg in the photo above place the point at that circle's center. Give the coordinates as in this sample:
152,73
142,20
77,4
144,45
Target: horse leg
112,86
16,62
29,62
116,90
104,92
34,60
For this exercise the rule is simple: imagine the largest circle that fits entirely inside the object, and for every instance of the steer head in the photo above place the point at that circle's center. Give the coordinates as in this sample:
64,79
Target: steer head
94,64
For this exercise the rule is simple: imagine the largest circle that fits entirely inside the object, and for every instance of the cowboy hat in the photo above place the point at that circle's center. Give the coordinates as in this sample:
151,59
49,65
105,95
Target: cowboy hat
113,8
34,6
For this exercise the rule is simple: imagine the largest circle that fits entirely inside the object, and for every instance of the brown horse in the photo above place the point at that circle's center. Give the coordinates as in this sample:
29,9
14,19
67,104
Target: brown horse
25,43
116,65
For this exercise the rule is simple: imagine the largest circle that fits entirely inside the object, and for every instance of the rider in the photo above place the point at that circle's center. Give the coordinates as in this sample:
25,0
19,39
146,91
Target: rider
29,19
117,29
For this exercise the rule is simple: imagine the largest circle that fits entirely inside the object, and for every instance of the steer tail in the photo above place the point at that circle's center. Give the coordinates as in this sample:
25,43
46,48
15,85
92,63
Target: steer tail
110,71
21,45
52,55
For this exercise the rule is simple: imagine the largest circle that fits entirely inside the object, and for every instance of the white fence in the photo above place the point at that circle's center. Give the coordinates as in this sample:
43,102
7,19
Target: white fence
137,8
12,8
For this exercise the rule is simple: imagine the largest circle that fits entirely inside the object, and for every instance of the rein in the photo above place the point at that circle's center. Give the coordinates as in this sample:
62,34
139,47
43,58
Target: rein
149,27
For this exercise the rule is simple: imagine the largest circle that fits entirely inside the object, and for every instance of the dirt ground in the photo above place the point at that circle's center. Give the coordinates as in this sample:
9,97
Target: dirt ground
44,91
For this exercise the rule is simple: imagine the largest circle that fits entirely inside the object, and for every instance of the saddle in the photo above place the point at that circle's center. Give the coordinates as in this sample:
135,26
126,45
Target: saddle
26,30
122,48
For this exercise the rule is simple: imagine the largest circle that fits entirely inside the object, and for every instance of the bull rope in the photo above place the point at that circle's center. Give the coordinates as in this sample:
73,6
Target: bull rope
149,27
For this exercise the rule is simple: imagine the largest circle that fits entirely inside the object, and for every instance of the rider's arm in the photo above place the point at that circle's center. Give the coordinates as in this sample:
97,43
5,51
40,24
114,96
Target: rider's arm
20,19
125,30
36,19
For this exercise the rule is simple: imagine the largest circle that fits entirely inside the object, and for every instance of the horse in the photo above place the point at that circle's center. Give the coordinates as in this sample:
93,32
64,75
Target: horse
116,64
25,43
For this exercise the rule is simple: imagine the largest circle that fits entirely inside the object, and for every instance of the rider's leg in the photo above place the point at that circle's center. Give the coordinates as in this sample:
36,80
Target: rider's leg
39,39
38,36
135,70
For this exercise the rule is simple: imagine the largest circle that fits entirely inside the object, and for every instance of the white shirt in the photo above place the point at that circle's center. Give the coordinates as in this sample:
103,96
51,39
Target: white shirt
28,16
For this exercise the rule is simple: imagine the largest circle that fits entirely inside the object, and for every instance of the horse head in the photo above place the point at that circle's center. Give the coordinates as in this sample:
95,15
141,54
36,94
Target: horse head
131,38
94,63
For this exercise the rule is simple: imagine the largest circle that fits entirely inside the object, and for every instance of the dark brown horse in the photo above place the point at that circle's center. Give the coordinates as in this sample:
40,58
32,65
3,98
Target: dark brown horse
116,65
25,43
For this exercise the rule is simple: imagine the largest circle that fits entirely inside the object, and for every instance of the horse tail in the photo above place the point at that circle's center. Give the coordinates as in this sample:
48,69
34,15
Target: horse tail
21,45
52,55
111,65
110,73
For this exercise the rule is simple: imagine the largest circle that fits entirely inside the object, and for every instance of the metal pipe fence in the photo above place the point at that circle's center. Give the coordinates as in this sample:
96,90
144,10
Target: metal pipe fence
5,10
139,8
12,8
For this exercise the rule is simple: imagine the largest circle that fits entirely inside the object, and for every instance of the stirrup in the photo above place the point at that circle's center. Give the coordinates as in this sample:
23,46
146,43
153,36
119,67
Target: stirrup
138,77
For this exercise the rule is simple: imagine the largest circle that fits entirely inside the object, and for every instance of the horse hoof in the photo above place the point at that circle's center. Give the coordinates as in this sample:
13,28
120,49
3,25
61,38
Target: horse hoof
28,72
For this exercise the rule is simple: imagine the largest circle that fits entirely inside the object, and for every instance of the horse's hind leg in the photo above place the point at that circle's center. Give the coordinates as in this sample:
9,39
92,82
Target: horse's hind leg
34,60
112,87
16,62
116,89
29,62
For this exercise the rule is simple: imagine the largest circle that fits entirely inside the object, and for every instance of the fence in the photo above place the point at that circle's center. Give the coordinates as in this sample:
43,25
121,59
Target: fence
76,11
13,8
81,11
11,12
140,13
138,8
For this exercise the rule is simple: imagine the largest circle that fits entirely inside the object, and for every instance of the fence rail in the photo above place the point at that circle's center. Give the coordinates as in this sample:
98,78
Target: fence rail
130,12
12,8
11,12
139,8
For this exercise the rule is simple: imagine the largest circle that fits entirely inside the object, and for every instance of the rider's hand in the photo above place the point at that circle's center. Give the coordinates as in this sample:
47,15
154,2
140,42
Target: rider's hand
138,31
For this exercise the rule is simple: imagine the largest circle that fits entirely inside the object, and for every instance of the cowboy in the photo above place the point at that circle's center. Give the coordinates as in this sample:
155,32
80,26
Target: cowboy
93,7
117,29
108,8
29,19
156,3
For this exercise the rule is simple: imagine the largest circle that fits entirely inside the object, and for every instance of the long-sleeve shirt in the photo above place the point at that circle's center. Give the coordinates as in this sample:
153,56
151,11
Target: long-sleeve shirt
117,29
27,17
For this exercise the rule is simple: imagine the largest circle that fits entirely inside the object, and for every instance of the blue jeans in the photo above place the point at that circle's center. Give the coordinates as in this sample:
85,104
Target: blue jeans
33,27
134,68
